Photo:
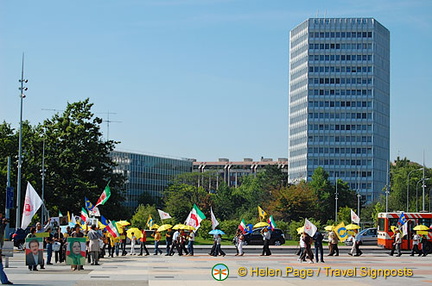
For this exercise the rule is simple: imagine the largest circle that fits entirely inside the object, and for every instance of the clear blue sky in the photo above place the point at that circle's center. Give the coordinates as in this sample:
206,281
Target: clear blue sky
198,79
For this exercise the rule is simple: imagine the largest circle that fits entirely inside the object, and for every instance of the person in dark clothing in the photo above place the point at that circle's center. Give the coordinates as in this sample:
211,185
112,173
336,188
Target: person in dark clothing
318,238
169,241
266,237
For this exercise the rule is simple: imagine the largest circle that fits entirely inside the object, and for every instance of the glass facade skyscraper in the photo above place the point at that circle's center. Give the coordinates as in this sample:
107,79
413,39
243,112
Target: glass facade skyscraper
339,102
147,174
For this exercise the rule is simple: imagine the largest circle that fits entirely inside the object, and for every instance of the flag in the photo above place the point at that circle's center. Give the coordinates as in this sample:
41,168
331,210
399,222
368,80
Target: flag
309,227
110,227
261,213
32,203
150,221
72,222
69,218
84,215
103,220
163,215
402,219
249,228
354,217
404,229
214,221
272,223
341,231
242,226
95,211
60,214
105,196
195,217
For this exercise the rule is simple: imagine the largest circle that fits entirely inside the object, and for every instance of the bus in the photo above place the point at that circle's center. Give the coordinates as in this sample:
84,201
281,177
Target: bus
387,220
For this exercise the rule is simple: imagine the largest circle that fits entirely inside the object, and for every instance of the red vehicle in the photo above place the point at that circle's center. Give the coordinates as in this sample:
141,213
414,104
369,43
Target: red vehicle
387,220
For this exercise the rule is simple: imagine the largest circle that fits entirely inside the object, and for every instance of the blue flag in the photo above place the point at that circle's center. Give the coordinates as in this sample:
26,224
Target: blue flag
248,228
402,219
89,206
103,220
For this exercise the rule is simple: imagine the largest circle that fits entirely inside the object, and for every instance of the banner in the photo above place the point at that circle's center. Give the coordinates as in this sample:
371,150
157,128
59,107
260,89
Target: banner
354,217
214,221
163,215
309,228
32,203
76,251
341,231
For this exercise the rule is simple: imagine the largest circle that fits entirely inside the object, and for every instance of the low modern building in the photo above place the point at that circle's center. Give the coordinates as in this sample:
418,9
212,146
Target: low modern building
147,174
231,171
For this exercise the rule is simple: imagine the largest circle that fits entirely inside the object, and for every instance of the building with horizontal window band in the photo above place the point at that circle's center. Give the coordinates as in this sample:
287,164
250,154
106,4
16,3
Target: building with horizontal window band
147,173
339,102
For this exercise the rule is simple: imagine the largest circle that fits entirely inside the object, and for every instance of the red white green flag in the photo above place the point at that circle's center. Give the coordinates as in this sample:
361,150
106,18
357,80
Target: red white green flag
195,217
84,215
242,226
271,222
104,197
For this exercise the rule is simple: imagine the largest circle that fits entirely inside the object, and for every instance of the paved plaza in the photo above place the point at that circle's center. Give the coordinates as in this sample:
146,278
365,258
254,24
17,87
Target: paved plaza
282,268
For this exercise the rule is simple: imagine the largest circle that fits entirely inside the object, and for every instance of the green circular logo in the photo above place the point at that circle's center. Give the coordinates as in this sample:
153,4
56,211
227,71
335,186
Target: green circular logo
220,272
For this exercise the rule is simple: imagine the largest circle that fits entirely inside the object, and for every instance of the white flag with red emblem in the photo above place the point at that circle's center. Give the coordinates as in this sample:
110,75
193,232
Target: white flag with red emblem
163,215
195,217
32,203
354,217
309,227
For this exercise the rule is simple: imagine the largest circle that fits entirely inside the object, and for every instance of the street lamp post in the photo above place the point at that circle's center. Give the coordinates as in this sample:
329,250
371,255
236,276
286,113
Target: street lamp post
407,200
336,201
19,175
421,180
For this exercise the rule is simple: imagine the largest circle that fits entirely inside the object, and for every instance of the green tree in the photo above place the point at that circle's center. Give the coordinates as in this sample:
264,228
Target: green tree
141,215
77,162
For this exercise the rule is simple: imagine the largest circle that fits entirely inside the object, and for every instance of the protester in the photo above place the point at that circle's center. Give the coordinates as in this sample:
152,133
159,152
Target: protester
416,242
143,246
3,224
58,246
94,244
182,239
333,244
191,240
157,237
319,251
302,249
266,237
123,243
168,241
218,250
308,248
397,243
425,245
175,243
133,242
77,233
3,277
48,241
239,240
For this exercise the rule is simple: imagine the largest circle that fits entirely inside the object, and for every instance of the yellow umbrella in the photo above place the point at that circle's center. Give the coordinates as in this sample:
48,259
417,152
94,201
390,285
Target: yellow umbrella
421,227
179,226
422,232
329,227
189,227
300,230
154,226
352,226
261,224
136,232
164,227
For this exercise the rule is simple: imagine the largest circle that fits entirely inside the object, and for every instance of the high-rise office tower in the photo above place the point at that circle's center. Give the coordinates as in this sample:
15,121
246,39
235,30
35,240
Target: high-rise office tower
339,102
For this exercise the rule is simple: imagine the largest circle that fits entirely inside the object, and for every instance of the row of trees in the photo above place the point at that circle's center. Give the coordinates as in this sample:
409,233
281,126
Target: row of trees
76,159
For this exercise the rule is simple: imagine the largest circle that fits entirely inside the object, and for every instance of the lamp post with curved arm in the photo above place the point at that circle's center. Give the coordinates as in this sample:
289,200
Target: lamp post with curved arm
407,202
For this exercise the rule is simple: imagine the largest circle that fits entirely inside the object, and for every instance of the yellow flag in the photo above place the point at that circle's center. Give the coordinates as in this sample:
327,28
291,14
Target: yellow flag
150,222
68,215
341,231
261,213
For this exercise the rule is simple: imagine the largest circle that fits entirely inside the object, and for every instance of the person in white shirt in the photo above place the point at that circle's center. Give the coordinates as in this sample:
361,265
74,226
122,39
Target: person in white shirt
416,242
